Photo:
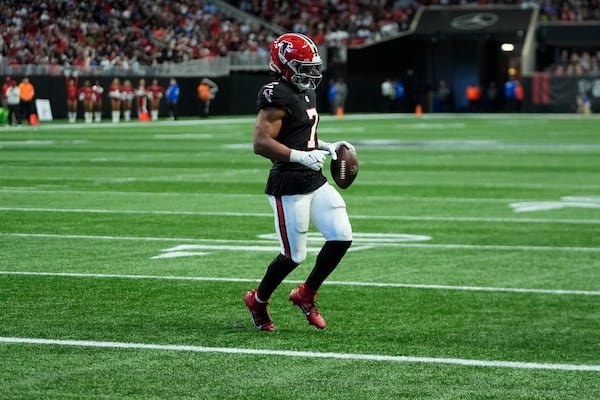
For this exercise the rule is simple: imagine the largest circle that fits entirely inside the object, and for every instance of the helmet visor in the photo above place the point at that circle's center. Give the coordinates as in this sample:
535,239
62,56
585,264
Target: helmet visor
307,75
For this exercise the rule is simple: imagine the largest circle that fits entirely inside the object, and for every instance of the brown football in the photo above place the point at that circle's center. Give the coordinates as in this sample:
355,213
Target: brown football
345,168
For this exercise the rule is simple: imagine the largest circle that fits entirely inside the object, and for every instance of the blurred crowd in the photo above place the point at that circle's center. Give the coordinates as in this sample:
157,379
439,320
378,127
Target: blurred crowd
573,63
123,33
350,22
119,33
568,10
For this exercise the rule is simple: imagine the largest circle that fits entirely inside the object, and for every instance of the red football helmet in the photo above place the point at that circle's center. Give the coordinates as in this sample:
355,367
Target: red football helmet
296,58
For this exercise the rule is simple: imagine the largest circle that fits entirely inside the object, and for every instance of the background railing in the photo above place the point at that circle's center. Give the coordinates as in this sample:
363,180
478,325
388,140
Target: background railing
205,67
208,67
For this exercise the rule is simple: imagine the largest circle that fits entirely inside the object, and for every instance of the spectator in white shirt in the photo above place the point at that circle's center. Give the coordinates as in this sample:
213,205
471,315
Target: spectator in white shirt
13,100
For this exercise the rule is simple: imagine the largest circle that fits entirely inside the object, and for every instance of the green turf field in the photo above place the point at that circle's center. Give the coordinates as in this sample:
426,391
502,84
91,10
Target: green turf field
474,274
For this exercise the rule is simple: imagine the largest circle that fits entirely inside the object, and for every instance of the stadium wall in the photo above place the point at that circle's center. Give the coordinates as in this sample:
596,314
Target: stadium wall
559,94
237,93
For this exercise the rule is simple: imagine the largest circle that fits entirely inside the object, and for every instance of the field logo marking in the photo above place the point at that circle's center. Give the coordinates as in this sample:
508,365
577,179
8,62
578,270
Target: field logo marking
564,202
270,243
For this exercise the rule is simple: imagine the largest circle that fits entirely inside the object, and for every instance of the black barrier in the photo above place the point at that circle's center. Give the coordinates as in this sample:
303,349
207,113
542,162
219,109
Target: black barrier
580,34
237,93
559,94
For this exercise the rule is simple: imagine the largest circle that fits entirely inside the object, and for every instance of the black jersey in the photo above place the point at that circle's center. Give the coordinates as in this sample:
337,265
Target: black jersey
298,131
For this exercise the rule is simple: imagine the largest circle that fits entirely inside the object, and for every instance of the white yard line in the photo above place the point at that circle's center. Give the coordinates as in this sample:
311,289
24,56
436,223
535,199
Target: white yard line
330,283
149,212
46,191
403,245
269,215
127,238
303,354
438,118
366,182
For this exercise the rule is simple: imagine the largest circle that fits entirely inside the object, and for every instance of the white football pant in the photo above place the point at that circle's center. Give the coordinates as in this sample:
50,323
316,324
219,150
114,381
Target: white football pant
324,208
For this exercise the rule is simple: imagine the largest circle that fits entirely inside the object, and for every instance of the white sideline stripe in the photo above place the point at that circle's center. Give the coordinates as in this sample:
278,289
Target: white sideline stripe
29,189
303,354
405,245
269,215
130,238
330,283
479,219
152,212
498,185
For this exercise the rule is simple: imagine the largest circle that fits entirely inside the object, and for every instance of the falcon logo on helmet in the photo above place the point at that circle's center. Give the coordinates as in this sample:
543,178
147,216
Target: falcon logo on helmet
296,58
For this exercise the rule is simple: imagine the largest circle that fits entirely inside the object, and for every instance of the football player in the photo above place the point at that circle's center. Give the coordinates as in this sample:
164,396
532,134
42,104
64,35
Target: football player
286,133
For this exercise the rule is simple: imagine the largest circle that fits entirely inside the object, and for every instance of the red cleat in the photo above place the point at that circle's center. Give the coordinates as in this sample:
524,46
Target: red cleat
304,297
260,314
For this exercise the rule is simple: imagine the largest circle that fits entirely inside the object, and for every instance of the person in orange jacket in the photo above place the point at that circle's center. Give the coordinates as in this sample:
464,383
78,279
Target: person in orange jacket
473,93
26,106
207,90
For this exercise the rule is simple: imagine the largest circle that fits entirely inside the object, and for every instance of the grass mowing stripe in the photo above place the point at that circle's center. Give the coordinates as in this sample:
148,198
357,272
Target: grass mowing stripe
200,179
480,219
408,245
134,124
304,354
28,189
156,212
330,283
368,217
492,247
152,212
